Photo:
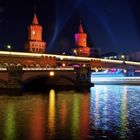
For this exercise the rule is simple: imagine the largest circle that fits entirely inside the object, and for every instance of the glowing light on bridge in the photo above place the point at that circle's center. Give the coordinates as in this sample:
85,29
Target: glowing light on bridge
51,73
84,65
65,57
63,64
96,70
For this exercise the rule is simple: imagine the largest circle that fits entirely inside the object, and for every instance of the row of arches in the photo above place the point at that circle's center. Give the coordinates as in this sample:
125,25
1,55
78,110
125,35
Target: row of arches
19,65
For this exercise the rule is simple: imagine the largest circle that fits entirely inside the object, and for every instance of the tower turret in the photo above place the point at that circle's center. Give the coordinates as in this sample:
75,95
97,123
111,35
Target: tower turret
81,48
35,20
35,43
81,37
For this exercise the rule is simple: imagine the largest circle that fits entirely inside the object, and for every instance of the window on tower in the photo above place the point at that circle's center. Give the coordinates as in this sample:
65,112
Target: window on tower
33,32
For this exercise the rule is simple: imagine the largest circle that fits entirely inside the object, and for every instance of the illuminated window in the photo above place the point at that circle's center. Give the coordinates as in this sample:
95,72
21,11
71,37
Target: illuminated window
33,32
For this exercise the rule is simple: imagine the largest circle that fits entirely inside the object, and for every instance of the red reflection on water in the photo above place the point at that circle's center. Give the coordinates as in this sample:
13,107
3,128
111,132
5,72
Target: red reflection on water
37,121
63,113
84,117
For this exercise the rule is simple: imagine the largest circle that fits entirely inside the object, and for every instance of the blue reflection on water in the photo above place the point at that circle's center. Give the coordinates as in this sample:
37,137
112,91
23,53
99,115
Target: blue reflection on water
115,108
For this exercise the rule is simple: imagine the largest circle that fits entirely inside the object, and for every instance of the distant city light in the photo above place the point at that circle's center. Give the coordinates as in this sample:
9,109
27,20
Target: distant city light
122,56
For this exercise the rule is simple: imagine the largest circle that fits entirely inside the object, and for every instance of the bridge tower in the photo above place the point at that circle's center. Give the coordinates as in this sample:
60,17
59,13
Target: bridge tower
35,43
81,48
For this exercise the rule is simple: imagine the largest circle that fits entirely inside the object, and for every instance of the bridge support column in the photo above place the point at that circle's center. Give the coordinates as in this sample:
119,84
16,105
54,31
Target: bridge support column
14,78
83,76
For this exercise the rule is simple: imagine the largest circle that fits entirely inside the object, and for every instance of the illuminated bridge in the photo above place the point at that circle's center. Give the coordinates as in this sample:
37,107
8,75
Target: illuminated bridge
51,60
18,69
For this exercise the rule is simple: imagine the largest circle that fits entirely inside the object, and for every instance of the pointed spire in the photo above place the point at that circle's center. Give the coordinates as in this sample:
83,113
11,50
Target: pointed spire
81,28
35,20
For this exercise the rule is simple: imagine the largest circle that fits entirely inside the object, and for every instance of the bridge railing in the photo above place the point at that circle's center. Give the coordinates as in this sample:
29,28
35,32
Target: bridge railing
37,69
42,69
3,69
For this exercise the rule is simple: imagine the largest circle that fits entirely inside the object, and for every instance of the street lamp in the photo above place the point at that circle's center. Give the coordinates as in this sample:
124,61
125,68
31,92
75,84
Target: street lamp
75,52
9,48
122,57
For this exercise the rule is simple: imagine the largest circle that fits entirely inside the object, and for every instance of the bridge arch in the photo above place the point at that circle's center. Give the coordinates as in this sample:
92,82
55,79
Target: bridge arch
5,65
48,66
19,66
42,81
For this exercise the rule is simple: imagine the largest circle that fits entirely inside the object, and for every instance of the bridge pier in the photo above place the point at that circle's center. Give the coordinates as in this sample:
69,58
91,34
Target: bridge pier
83,76
14,78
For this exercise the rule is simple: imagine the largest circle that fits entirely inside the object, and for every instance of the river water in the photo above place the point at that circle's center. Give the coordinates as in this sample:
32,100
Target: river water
102,112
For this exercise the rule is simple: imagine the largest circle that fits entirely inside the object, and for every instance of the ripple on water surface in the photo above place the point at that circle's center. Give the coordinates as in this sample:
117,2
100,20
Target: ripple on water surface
104,112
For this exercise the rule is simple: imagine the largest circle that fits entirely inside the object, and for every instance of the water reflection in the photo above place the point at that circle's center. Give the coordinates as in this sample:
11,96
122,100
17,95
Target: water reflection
111,112
123,131
37,120
75,116
9,128
63,113
51,114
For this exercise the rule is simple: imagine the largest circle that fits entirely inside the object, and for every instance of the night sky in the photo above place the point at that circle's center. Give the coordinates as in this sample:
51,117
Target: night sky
111,25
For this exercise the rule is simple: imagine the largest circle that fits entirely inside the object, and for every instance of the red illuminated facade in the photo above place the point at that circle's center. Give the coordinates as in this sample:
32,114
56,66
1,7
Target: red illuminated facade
35,43
81,43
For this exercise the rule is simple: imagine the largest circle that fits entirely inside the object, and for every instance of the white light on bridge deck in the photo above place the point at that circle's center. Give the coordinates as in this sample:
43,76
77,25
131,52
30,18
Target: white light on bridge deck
65,57
51,73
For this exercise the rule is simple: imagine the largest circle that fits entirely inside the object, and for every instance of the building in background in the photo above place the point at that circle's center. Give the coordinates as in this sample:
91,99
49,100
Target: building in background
134,56
35,43
95,52
115,56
